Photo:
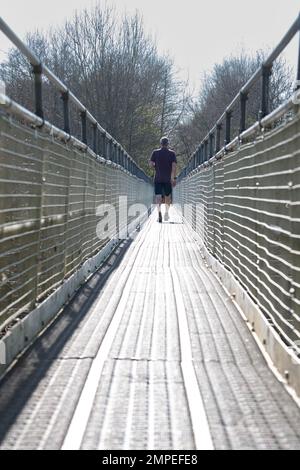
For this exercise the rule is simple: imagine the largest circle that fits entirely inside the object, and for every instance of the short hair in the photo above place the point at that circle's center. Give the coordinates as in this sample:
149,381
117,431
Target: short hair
164,141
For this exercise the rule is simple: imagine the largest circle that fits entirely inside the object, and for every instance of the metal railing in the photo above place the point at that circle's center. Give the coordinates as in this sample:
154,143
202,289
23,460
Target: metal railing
211,146
243,201
111,147
55,192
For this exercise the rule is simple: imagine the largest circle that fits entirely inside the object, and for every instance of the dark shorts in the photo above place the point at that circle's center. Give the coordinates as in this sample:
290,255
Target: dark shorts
163,189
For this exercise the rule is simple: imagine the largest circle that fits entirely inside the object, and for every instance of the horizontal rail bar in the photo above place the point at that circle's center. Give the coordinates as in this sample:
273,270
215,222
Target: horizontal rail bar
33,59
251,131
19,111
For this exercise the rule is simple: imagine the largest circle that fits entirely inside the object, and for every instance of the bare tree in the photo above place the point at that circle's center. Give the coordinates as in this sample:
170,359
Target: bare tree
114,68
220,86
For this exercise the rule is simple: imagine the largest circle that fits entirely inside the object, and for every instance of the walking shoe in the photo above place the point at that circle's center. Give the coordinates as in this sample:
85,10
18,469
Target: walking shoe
166,217
160,218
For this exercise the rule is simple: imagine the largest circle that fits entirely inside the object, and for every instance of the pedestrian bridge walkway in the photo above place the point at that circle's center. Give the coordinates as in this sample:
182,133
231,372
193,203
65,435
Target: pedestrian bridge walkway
150,354
117,332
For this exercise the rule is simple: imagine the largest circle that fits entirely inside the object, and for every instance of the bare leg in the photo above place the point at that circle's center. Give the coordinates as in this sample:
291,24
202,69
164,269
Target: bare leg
159,202
167,203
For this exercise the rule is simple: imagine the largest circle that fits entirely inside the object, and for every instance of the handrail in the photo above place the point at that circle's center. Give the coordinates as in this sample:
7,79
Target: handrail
40,69
201,153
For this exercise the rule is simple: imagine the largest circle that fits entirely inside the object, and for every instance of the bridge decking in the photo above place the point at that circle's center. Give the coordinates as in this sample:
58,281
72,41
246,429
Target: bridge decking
156,357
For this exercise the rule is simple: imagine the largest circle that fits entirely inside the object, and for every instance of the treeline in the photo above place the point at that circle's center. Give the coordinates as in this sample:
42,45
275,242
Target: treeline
114,68
218,89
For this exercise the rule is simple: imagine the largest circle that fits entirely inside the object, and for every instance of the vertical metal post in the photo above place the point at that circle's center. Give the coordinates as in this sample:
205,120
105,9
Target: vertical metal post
65,100
104,145
108,149
206,150
83,127
38,95
201,154
266,74
112,149
228,127
211,143
95,138
243,103
218,138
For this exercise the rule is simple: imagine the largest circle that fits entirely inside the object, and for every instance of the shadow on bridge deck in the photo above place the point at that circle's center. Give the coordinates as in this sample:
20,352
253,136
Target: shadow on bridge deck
150,354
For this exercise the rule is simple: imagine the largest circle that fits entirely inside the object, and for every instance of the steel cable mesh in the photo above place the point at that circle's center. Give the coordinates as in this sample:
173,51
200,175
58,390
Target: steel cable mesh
49,195
249,219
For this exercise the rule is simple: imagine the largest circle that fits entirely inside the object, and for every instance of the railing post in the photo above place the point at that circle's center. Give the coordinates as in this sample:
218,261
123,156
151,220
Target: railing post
111,150
83,127
211,143
243,103
65,100
38,94
206,150
266,74
104,145
218,138
95,138
228,127
116,152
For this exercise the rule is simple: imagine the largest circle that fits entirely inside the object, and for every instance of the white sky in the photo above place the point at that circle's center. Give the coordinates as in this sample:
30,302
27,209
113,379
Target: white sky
197,33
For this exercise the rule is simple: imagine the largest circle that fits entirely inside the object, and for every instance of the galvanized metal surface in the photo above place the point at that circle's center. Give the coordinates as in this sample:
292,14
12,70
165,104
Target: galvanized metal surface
248,217
170,343
49,195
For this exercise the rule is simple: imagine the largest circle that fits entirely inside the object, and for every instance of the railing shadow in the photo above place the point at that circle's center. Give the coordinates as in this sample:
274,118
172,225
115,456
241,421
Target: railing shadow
22,380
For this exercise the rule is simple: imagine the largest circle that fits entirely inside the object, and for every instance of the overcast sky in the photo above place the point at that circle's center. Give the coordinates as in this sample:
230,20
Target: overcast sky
197,33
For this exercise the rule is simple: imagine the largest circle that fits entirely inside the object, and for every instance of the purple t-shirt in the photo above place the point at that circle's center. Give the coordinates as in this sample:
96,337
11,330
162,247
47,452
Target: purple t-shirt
163,159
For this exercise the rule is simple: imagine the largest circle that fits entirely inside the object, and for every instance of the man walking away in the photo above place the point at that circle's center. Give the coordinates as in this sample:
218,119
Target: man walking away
164,161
